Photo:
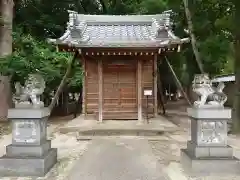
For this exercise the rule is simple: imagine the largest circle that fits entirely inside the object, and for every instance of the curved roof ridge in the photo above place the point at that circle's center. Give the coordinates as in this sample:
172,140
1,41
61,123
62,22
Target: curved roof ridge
116,18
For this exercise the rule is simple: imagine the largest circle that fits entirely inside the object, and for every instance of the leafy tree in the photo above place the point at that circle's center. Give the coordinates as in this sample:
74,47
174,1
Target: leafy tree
6,17
236,103
36,20
31,55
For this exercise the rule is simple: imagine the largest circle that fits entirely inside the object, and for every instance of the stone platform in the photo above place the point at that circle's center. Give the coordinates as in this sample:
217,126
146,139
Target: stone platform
156,126
28,166
206,166
208,152
30,153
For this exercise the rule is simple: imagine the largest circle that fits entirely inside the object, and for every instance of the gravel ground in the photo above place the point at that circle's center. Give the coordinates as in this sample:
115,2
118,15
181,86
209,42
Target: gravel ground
69,151
167,152
166,149
5,128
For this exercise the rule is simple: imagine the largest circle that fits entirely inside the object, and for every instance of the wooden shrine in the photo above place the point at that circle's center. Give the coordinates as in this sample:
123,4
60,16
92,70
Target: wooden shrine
119,57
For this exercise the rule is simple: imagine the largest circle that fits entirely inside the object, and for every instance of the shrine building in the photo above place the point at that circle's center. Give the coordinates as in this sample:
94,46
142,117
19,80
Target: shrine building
119,57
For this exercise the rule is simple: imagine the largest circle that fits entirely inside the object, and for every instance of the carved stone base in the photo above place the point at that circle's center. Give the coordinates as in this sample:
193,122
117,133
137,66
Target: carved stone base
206,166
209,113
28,105
28,151
23,105
28,166
209,126
209,151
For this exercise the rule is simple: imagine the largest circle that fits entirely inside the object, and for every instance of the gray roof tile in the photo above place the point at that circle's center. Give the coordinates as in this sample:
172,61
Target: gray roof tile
118,31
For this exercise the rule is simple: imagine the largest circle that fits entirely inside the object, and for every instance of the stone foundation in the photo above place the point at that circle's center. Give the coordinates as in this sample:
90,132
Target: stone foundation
206,166
208,153
30,153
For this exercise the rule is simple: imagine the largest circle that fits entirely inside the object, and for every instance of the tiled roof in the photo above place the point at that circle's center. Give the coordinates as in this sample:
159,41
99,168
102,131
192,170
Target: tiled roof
119,31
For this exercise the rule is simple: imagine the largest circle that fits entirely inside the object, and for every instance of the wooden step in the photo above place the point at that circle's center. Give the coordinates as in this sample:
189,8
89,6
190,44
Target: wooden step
118,115
89,134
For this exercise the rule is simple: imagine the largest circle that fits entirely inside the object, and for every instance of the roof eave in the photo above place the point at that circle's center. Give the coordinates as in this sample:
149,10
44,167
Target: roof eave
162,44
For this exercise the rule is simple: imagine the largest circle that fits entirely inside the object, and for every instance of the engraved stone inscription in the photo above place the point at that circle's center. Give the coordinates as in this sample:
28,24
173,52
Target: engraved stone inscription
212,132
42,129
25,131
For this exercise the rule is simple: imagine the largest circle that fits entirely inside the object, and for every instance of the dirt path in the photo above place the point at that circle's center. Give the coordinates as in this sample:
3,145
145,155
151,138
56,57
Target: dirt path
121,159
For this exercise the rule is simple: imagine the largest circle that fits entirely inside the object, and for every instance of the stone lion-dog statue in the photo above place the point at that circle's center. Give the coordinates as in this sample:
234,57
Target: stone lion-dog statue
209,96
28,96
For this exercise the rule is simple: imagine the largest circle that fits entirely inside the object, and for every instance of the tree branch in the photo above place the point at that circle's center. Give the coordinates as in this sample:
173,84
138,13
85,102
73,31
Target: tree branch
104,8
83,6
178,83
192,35
63,82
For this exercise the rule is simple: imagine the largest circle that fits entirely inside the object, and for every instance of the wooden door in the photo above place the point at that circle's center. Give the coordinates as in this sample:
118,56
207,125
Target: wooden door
110,89
127,88
119,90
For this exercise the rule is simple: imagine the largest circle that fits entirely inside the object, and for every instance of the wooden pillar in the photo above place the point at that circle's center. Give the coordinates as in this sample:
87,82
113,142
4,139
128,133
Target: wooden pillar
84,88
155,68
100,90
139,89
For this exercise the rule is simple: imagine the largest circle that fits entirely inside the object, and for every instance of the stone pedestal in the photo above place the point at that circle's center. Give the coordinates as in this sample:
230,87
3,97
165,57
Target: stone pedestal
30,153
207,152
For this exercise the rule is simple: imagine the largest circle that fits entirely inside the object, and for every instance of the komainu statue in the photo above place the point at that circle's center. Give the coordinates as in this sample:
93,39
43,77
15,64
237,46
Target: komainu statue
28,96
209,96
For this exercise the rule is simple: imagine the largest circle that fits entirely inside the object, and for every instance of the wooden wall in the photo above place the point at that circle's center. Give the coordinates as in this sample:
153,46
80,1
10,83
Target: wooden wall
92,89
91,85
147,83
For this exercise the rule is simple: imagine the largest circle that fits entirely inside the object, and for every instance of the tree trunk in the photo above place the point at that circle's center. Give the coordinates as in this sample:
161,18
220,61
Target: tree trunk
6,17
192,35
178,83
104,8
63,82
236,102
5,97
160,92
78,107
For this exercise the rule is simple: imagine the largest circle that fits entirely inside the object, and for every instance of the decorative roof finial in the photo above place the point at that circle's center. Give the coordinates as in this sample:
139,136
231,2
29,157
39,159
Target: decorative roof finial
72,18
164,23
168,12
167,18
156,27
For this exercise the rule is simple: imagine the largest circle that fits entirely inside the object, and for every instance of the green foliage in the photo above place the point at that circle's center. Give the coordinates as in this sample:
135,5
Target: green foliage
152,7
31,55
215,50
212,20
